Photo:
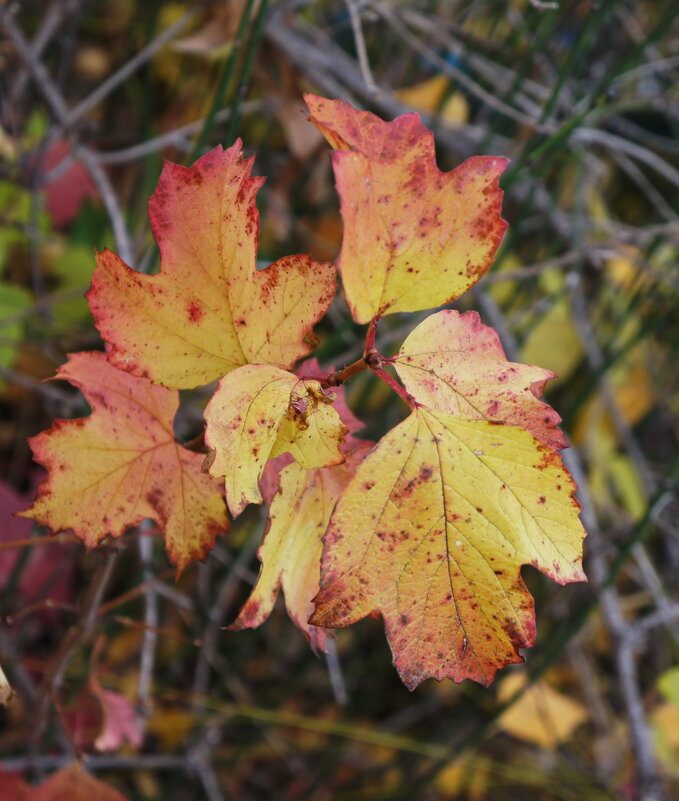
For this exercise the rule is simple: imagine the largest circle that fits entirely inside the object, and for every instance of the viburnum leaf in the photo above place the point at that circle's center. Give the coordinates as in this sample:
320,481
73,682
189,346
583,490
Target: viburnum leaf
209,310
454,363
414,237
120,465
432,532
72,782
259,412
291,551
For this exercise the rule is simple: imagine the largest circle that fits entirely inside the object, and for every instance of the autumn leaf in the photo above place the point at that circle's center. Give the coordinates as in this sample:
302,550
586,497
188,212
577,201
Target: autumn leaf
414,237
101,719
13,787
291,551
120,465
259,412
454,363
432,532
210,309
74,783
541,715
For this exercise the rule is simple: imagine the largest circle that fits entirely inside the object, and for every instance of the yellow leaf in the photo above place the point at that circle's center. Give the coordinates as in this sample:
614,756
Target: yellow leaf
454,363
429,96
541,715
291,551
259,412
554,342
432,532
109,471
414,237
210,309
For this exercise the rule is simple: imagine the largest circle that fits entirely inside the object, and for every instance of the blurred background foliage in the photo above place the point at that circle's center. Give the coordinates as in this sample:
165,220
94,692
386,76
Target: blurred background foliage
583,97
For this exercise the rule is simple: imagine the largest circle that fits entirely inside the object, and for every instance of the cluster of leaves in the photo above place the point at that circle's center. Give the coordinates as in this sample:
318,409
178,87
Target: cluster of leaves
431,526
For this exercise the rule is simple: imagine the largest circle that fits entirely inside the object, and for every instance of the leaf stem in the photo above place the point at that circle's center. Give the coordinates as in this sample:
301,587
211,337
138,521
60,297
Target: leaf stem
373,360
346,373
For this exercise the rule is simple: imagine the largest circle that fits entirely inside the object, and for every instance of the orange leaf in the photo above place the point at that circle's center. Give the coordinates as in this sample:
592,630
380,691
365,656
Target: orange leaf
210,309
414,237
121,464
291,551
454,363
75,784
259,412
432,532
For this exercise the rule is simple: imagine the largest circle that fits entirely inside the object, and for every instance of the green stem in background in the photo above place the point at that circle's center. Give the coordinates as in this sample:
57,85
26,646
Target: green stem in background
225,81
241,90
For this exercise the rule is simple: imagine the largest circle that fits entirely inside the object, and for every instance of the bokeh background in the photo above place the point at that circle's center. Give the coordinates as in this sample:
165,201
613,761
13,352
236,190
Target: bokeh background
583,98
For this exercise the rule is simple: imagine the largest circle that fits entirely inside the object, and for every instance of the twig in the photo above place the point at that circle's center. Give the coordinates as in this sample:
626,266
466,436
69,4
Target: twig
339,687
50,22
111,83
597,363
61,112
110,200
461,77
147,657
77,636
661,617
175,138
643,154
207,656
361,50
650,786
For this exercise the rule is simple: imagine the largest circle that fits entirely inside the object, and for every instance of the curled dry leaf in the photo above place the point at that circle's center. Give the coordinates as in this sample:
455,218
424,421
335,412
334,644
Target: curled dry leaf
210,309
120,465
259,412
291,551
454,363
414,237
432,532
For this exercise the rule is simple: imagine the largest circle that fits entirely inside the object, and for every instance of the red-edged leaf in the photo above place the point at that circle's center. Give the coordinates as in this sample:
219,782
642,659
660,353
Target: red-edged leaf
209,310
454,363
259,412
414,237
291,551
432,532
120,465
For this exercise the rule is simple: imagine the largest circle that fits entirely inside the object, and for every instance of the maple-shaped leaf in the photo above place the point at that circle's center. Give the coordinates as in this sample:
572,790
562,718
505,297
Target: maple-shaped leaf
432,532
120,465
414,237
291,551
259,412
454,363
210,309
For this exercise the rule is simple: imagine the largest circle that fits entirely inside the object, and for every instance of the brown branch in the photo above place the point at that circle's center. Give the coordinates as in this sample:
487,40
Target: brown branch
77,636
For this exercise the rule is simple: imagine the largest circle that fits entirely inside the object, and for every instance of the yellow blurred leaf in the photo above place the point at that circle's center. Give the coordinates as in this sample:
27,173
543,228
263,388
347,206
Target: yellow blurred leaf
171,727
554,343
466,775
668,684
665,721
541,715
430,95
